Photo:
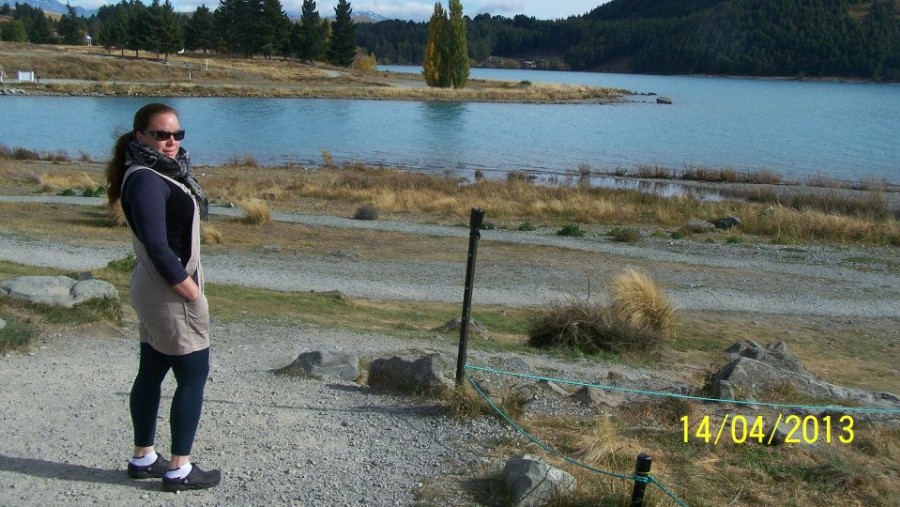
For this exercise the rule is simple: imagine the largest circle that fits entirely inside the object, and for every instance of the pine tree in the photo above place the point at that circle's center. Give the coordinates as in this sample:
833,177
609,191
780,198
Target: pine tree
113,27
67,27
434,65
273,28
14,31
311,39
342,47
200,30
171,34
458,52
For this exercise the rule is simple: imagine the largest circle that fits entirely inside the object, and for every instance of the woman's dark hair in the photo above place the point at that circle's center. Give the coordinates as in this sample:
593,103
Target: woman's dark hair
115,168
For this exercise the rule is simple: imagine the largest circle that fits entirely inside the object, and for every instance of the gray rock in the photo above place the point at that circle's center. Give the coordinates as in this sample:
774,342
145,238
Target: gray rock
410,372
532,482
319,364
751,376
598,398
699,226
726,222
663,100
475,327
2,323
56,290
775,354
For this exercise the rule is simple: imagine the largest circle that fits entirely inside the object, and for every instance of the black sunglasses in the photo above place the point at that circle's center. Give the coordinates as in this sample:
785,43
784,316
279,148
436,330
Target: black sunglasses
164,135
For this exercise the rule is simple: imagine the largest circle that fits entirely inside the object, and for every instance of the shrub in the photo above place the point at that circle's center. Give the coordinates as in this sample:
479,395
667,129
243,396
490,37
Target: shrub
123,265
625,234
366,212
588,328
16,335
637,300
247,160
527,226
256,211
520,177
486,226
570,230
93,192
68,192
327,158
735,239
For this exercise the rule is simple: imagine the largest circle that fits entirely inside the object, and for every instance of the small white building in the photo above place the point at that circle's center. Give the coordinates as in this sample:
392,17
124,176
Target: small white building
26,76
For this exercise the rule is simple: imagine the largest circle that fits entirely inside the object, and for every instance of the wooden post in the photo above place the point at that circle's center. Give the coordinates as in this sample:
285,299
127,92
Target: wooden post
476,218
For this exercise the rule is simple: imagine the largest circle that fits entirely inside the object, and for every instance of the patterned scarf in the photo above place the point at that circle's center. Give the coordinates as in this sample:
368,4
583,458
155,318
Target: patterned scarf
178,168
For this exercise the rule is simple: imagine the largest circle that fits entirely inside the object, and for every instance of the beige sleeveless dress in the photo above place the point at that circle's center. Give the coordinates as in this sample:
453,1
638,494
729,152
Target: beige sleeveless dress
169,323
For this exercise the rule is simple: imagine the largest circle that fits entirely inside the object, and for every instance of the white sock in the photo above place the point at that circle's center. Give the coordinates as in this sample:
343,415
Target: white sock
145,460
180,473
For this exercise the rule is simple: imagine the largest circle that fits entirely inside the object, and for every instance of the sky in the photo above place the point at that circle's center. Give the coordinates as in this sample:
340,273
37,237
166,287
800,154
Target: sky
416,10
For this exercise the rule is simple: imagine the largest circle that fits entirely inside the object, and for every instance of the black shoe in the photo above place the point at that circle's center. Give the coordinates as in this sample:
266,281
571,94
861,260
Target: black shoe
156,469
196,479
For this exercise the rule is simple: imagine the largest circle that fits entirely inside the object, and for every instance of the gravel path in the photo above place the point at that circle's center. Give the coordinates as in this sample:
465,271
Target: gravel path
280,440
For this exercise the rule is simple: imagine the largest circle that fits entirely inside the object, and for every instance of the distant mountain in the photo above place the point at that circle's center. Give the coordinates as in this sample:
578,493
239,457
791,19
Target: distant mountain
358,17
51,6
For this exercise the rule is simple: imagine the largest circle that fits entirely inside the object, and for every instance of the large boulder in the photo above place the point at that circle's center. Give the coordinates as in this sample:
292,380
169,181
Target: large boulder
324,364
532,482
775,354
56,290
755,371
412,372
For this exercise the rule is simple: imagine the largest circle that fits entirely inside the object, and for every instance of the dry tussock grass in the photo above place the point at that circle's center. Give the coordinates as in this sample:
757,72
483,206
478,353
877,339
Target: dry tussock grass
637,300
53,181
209,234
115,214
256,211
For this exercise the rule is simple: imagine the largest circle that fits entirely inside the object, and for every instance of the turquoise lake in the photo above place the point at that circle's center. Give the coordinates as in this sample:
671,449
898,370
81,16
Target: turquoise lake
847,131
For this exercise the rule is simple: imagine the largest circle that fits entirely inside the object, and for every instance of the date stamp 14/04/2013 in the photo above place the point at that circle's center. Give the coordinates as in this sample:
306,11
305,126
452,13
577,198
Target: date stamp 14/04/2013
740,429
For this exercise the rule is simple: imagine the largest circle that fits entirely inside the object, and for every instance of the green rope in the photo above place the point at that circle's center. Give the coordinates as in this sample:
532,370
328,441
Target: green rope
684,396
635,477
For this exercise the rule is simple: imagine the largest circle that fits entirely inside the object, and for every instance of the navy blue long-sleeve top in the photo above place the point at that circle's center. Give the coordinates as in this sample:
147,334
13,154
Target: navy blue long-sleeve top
161,215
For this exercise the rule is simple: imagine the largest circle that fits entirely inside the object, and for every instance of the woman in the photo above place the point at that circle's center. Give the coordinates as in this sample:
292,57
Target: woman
151,175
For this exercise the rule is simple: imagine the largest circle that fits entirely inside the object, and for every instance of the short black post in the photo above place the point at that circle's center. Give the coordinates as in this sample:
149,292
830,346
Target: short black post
476,218
641,469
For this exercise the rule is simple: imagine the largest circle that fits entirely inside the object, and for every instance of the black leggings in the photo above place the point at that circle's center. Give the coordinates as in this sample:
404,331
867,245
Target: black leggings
190,371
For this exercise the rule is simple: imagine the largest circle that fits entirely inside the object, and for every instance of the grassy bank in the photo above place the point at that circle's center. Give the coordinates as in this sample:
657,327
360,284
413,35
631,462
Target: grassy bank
512,203
81,70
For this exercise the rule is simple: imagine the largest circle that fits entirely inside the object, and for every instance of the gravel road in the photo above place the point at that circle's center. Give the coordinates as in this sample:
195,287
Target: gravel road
283,440
851,281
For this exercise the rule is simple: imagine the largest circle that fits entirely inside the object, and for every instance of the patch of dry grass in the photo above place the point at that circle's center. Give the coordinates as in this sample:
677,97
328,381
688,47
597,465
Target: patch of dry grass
256,212
209,234
638,300
55,181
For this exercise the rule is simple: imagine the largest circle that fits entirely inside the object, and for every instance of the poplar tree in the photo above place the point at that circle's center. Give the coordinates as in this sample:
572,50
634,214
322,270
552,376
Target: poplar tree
342,47
458,51
434,66
446,61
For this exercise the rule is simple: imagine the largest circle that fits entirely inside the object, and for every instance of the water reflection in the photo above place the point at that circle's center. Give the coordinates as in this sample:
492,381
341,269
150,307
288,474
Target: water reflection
444,114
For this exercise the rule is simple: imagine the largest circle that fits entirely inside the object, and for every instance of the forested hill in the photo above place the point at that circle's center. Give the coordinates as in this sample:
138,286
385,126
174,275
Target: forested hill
814,38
